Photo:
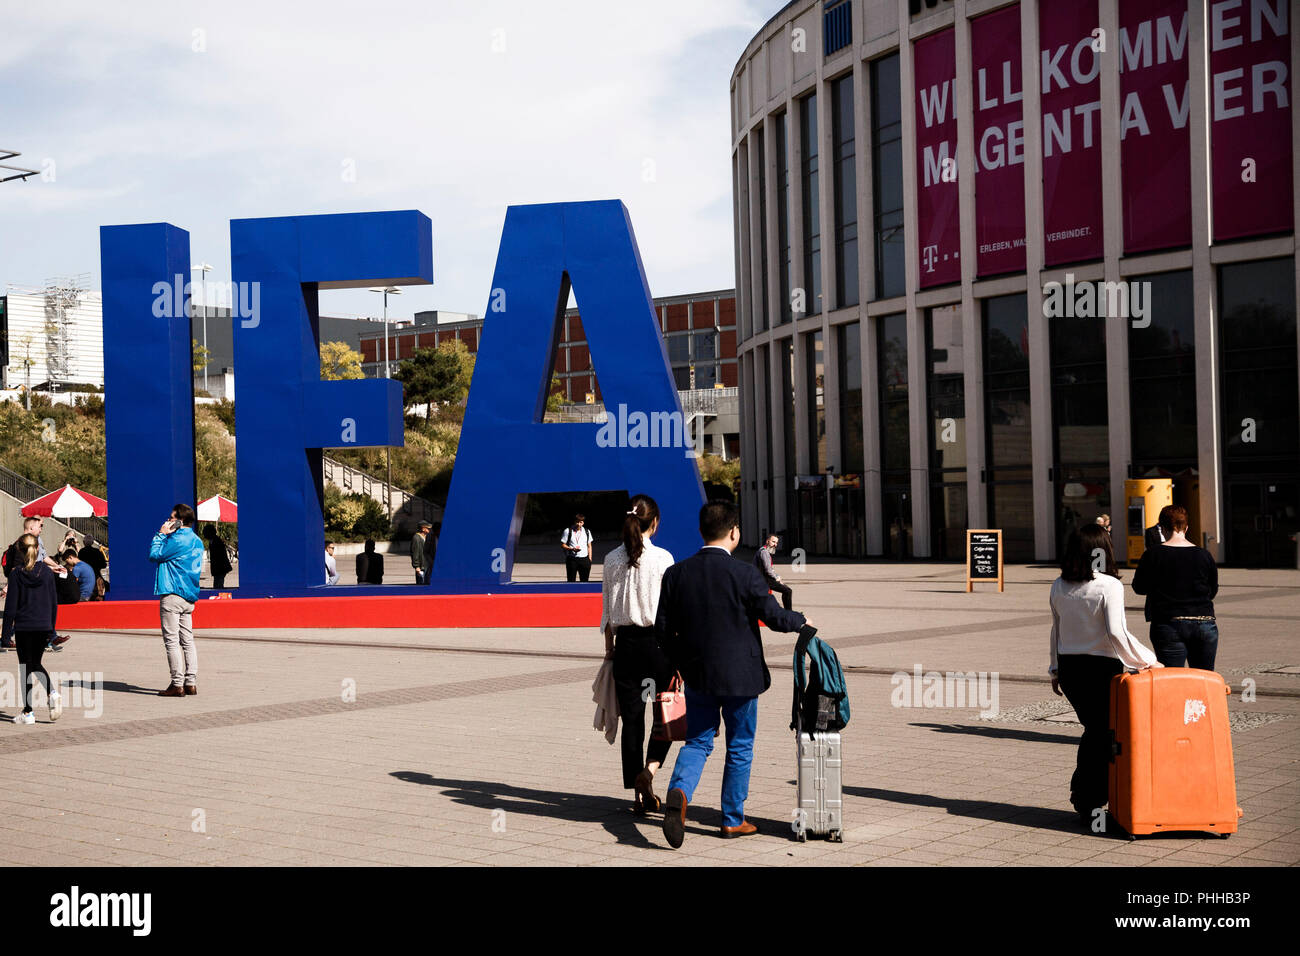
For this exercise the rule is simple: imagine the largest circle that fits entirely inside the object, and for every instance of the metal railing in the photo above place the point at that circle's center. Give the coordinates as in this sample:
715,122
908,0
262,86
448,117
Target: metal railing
357,481
24,489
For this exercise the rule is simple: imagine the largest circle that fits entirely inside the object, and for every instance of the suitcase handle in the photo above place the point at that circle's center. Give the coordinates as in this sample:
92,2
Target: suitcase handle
1116,748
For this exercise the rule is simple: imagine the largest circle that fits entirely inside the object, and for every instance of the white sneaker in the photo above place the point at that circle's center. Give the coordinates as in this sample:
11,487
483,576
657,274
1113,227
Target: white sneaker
56,706
28,718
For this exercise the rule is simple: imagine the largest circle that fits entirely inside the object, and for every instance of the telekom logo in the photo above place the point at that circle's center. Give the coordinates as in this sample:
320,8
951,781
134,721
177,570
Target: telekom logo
930,254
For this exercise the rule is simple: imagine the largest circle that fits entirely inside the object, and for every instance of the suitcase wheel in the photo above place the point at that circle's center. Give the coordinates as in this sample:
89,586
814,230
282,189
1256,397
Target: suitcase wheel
803,836
838,836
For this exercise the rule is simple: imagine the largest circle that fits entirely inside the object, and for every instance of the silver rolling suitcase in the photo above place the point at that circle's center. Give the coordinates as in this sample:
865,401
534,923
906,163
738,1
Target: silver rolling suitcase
821,795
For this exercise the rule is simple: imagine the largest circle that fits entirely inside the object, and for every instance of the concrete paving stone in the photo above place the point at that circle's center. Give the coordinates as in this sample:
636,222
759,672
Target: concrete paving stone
410,774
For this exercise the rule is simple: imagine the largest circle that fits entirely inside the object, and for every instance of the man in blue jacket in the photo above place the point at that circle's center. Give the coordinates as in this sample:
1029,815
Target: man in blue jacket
707,623
178,553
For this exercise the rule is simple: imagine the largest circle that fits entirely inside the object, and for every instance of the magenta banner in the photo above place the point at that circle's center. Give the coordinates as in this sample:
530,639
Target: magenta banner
1250,117
999,143
938,225
1070,71
1155,141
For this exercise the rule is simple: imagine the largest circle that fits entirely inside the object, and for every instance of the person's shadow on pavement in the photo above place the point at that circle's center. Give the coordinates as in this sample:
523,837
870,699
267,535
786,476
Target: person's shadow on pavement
1044,818
613,814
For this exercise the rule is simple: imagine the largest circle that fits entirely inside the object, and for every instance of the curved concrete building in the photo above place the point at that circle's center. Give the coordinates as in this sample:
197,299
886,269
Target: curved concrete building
996,259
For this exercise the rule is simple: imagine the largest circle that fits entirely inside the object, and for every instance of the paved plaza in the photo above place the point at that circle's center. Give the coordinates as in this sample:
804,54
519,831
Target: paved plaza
475,746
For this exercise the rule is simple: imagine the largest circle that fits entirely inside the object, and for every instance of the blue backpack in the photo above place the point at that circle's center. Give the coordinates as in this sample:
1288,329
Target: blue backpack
821,704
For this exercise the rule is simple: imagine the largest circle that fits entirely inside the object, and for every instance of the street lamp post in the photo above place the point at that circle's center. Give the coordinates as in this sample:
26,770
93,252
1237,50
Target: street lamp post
388,452
203,269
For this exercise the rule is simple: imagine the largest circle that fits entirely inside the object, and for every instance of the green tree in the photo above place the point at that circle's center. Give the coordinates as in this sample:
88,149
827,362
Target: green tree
437,375
200,356
338,361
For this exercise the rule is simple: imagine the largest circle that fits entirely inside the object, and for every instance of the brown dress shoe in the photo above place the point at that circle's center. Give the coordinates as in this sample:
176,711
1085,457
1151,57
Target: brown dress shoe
191,688
745,829
172,691
675,817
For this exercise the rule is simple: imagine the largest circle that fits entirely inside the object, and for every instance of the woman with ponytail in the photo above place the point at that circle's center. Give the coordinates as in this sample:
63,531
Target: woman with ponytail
630,598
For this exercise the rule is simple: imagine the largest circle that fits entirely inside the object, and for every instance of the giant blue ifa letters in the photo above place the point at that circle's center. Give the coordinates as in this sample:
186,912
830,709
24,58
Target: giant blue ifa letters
285,414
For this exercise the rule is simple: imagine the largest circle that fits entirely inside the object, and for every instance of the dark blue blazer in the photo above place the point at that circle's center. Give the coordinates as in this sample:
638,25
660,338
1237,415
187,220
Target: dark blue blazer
707,623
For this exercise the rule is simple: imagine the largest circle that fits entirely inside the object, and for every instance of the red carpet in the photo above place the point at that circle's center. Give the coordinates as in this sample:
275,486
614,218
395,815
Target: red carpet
431,611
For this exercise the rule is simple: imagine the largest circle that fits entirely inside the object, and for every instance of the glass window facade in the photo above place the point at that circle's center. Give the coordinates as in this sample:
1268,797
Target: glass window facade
1162,378
1260,412
850,369
1080,428
946,397
816,362
760,313
784,262
887,176
812,228
846,192
1007,425
895,435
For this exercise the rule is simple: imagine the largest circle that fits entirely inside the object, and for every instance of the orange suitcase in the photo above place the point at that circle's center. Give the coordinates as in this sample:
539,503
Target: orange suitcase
1171,752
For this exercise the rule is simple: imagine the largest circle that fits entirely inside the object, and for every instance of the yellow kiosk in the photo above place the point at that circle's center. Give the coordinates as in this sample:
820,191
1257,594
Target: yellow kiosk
1145,498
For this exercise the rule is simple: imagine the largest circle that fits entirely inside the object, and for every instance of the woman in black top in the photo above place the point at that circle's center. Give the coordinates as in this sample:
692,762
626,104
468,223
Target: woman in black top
1180,581
30,616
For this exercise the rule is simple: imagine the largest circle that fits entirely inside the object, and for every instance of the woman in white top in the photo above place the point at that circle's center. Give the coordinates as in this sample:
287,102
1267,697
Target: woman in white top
630,597
1091,643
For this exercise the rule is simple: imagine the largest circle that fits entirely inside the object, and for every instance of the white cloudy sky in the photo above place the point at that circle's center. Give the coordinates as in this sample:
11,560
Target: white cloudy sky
584,98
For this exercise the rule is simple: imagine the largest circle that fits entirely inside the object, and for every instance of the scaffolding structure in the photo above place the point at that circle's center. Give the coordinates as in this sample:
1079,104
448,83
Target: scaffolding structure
63,295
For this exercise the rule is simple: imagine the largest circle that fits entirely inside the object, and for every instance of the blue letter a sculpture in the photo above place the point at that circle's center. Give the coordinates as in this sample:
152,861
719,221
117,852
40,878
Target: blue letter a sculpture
505,450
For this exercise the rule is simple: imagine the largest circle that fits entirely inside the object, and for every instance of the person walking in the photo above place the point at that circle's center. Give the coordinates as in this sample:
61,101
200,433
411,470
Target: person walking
1091,643
218,556
1180,581
331,566
430,551
420,557
178,554
370,566
763,561
629,599
1161,531
30,616
576,541
707,622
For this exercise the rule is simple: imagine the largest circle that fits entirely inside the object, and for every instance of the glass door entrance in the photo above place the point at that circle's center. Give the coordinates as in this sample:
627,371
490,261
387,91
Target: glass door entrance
1262,523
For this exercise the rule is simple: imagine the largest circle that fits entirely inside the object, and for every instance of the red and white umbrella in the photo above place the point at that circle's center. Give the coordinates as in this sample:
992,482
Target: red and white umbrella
218,508
67,502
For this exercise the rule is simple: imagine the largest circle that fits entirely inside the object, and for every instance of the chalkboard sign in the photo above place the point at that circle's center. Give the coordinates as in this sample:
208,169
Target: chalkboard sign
984,556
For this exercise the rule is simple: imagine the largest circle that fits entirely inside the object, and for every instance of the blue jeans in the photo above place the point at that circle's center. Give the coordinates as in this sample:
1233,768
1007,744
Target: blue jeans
1194,643
703,713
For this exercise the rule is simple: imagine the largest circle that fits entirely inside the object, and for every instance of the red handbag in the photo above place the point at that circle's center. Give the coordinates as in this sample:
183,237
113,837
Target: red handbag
670,712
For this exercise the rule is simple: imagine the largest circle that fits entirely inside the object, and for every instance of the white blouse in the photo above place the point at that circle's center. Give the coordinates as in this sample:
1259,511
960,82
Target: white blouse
631,595
1088,618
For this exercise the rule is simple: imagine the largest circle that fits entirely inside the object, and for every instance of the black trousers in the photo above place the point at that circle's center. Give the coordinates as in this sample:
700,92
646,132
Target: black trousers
637,660
787,596
31,647
1085,681
577,568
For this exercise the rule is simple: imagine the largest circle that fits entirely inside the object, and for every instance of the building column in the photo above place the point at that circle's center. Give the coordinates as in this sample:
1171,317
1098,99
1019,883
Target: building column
1118,416
1205,299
